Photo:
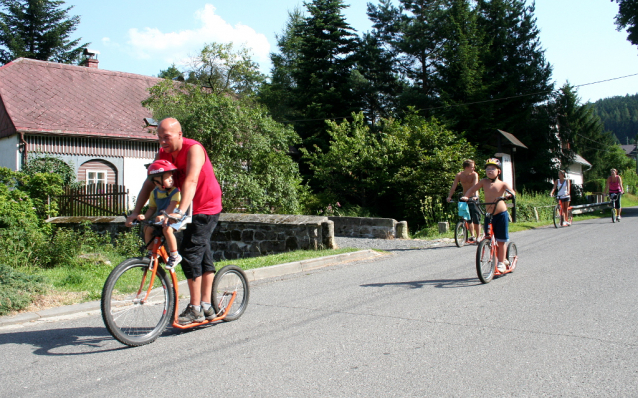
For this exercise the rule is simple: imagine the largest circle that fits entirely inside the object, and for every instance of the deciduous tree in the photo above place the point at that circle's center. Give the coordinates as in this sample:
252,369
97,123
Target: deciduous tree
627,18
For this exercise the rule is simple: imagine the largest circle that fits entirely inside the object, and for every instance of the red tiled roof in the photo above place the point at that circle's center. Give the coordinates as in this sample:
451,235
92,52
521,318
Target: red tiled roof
56,98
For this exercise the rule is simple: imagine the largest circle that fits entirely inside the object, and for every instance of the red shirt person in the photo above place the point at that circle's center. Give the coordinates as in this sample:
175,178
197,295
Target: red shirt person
199,187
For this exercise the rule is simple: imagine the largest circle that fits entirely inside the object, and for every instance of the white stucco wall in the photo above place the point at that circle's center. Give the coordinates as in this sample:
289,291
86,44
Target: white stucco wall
575,173
506,167
9,154
134,176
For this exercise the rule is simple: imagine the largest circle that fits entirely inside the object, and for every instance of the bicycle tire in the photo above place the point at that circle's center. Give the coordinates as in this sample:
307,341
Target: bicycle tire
511,254
613,214
228,280
129,320
485,262
570,216
556,216
460,234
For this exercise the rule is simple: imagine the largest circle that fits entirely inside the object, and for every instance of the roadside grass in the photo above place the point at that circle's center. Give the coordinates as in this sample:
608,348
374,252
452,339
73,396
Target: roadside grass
76,284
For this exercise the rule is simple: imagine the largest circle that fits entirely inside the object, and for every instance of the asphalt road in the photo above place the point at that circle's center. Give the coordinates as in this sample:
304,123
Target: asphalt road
413,323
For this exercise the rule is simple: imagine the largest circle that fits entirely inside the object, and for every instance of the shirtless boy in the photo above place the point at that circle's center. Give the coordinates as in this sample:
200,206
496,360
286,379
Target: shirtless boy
468,178
493,188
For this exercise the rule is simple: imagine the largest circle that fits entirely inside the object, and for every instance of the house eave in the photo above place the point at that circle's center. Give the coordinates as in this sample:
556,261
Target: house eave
87,134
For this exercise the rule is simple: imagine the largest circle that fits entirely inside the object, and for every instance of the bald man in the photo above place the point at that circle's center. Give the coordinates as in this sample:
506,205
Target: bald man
199,188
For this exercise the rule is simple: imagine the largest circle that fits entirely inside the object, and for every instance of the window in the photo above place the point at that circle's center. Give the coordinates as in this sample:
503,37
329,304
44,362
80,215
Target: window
96,177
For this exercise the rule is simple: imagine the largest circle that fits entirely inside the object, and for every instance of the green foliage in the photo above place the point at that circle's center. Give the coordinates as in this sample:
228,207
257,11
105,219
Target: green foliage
18,289
630,180
414,33
38,29
390,171
21,235
248,149
171,73
435,210
222,70
627,18
526,202
312,75
620,116
49,164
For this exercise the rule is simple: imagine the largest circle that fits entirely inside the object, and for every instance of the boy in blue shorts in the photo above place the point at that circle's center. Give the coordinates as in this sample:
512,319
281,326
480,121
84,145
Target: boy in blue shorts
493,188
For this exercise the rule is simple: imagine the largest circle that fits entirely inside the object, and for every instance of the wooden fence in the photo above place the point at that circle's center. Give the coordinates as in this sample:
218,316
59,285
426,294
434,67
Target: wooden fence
93,200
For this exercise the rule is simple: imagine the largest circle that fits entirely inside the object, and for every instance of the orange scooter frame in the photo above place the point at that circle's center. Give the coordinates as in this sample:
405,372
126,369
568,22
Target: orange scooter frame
158,251
136,313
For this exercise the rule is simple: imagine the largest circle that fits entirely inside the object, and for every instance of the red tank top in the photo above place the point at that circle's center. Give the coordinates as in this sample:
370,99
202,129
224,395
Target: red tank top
208,196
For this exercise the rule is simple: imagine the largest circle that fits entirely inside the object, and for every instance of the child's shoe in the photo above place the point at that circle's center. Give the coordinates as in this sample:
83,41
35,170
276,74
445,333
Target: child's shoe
173,261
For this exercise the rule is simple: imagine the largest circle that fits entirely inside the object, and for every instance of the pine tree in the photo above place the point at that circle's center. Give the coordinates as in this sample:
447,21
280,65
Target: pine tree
517,75
277,93
322,71
412,31
38,29
374,79
461,72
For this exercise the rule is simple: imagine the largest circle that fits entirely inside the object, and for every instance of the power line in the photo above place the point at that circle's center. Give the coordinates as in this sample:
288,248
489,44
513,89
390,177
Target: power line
474,103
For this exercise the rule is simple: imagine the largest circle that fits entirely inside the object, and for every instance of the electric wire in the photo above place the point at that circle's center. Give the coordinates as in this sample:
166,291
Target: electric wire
473,103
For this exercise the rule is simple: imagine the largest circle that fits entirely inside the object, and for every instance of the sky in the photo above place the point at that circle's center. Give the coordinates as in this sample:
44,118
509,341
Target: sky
144,37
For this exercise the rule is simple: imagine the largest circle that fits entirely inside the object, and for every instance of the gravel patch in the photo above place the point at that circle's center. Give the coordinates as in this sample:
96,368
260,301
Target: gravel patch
391,244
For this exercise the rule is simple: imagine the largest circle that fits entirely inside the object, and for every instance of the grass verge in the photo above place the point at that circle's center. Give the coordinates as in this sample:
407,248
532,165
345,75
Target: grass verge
76,284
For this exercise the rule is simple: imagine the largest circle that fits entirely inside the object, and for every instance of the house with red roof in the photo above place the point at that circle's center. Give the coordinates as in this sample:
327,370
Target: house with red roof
92,119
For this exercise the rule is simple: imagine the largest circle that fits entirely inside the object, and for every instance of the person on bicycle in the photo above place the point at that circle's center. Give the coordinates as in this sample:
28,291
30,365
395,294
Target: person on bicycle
493,188
200,190
164,197
614,185
468,178
562,187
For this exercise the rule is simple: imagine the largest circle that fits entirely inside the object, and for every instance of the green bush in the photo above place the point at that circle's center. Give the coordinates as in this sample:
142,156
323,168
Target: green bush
18,289
526,202
390,167
630,180
596,185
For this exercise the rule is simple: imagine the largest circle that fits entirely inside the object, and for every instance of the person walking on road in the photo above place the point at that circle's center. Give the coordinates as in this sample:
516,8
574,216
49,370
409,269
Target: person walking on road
614,185
562,187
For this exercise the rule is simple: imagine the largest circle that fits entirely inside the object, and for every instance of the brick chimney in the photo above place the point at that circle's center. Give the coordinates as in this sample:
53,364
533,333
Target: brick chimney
91,58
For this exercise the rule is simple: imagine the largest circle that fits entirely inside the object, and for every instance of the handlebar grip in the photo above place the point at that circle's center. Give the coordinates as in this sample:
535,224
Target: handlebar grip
170,217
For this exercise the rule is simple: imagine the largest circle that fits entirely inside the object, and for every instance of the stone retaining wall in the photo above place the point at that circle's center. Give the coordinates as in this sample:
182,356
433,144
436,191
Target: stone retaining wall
370,227
241,235
251,235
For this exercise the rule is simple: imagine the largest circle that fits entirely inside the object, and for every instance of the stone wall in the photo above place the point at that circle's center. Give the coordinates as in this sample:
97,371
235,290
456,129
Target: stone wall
251,235
241,235
369,227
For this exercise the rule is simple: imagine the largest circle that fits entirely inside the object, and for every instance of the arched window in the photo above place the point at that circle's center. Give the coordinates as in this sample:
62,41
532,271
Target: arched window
97,172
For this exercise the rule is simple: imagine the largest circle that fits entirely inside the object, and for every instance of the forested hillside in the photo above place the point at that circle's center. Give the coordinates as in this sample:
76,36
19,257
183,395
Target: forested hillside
620,116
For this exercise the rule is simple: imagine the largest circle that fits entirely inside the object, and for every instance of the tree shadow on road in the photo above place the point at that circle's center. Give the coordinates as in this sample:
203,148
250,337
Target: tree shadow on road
73,341
438,283
66,341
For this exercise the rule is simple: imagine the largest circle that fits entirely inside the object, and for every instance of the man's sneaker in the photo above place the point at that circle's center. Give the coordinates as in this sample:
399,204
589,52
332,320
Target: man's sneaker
618,218
506,262
501,267
173,261
471,239
190,315
210,313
